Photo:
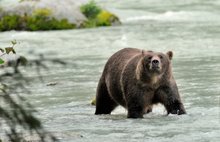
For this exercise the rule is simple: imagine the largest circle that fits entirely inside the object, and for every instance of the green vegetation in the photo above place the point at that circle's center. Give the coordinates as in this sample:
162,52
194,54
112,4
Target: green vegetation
42,19
106,18
96,16
9,22
16,113
90,10
93,102
1,12
7,50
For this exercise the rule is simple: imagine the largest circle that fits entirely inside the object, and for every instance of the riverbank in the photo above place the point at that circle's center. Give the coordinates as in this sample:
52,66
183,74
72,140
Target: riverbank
41,15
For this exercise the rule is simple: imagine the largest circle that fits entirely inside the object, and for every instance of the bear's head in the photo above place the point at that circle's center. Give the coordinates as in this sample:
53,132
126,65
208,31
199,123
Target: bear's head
153,64
157,63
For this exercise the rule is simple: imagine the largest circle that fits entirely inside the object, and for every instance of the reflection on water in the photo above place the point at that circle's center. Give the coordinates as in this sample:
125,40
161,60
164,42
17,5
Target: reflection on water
189,29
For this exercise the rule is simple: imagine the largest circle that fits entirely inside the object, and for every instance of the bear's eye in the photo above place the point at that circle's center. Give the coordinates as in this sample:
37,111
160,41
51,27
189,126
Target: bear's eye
160,56
149,58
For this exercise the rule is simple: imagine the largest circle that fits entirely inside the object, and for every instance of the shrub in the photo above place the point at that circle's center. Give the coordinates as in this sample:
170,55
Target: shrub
90,10
64,24
9,22
38,23
42,12
96,16
45,23
41,19
106,18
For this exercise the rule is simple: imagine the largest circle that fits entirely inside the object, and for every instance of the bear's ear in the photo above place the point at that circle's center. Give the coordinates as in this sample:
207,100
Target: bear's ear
170,55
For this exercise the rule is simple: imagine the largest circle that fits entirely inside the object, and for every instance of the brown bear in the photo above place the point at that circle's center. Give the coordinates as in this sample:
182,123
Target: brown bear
138,79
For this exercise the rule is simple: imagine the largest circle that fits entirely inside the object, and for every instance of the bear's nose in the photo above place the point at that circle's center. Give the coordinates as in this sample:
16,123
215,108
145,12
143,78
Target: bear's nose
155,62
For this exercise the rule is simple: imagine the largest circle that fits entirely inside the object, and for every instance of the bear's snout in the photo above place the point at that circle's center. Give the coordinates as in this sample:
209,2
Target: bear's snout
155,63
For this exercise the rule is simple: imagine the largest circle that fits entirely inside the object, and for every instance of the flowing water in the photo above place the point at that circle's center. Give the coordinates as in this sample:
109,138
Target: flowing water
190,28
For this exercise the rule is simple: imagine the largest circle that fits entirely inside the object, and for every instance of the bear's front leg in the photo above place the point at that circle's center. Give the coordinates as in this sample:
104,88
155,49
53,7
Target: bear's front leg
170,98
135,106
175,107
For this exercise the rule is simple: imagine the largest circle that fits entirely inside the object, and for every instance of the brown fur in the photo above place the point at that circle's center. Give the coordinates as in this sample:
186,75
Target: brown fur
137,79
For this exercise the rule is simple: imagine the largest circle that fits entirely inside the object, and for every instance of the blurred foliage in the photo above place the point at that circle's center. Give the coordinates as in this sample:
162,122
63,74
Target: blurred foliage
9,22
43,12
7,50
15,111
1,61
90,10
97,17
41,19
106,18
93,101
27,0
1,12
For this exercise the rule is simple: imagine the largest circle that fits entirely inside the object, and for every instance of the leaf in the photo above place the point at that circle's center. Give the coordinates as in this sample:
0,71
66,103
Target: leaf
2,50
14,42
93,102
10,49
1,61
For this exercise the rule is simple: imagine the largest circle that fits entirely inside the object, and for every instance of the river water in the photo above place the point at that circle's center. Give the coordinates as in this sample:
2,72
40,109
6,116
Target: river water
190,28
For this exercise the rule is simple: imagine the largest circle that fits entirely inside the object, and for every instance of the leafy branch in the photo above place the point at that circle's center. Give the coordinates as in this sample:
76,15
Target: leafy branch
15,111
7,50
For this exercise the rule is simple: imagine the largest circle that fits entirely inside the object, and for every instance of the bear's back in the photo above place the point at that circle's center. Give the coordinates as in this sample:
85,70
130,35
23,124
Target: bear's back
117,61
113,71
